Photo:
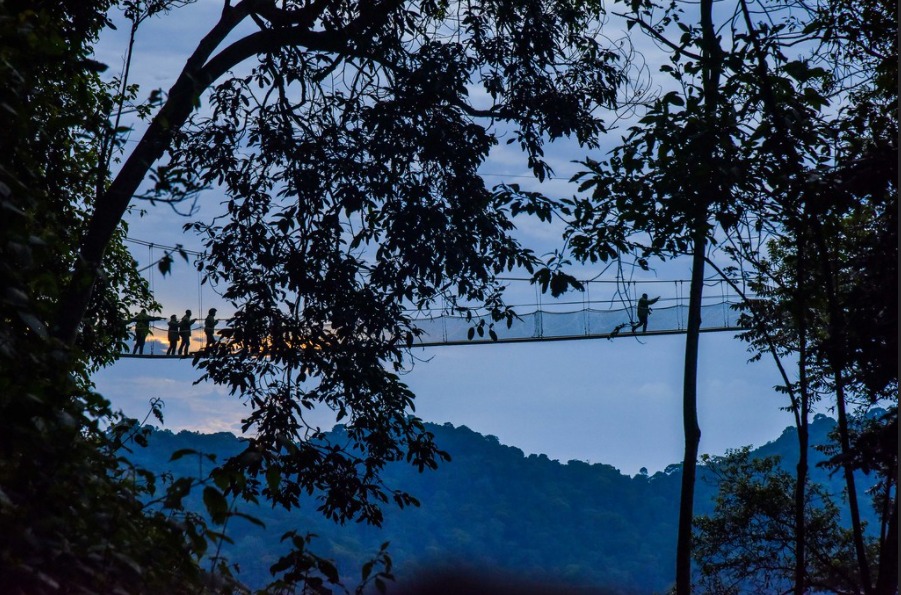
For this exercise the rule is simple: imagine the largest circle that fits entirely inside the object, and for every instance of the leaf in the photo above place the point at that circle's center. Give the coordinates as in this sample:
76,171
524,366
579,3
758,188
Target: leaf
815,98
674,98
216,504
273,479
801,71
328,569
249,518
182,453
16,297
164,265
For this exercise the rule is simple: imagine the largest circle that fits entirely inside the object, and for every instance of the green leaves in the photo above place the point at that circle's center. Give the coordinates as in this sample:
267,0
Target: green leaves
181,453
351,207
302,568
557,281
673,98
216,505
744,539
382,563
273,479
801,71
348,200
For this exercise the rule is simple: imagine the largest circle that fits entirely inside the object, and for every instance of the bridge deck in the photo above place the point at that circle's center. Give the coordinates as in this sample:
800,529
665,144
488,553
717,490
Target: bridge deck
538,326
483,341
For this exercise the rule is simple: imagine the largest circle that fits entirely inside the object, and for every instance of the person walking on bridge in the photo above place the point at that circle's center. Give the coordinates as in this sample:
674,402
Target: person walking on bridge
142,329
184,331
642,311
209,327
173,335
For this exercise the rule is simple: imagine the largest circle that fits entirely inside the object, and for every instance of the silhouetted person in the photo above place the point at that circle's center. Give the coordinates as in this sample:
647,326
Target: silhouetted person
642,311
209,326
173,335
184,331
142,329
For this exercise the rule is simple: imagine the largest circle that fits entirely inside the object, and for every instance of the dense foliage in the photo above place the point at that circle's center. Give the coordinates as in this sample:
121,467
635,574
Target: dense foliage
774,150
350,198
66,516
354,202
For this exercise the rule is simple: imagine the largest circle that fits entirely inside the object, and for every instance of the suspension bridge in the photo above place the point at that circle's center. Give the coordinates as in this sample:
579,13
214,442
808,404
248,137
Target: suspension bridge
605,309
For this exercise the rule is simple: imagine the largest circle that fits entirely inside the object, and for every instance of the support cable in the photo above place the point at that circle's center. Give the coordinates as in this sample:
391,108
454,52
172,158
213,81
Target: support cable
199,294
725,309
163,247
678,305
587,310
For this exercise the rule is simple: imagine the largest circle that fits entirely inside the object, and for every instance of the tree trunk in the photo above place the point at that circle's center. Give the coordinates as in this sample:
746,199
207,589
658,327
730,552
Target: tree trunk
850,484
199,72
711,70
837,362
801,419
110,206
887,582
800,498
690,416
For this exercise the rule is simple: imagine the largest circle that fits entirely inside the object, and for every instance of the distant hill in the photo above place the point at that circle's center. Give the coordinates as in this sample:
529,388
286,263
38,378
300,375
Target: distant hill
494,513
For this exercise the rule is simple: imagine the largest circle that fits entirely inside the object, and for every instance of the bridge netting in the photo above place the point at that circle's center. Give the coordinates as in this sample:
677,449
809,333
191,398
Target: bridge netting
604,309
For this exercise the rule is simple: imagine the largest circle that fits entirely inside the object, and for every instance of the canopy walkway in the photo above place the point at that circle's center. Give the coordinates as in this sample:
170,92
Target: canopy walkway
587,323
574,316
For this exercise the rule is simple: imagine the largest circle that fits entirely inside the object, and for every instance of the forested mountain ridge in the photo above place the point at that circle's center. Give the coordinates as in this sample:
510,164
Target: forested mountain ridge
492,511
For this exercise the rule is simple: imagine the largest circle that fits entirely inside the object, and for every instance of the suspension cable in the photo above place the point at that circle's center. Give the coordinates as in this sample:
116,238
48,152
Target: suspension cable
164,247
587,308
152,261
725,310
199,293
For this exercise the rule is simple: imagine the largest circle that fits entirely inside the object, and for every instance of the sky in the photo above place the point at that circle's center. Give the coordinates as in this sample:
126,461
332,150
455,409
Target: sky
616,402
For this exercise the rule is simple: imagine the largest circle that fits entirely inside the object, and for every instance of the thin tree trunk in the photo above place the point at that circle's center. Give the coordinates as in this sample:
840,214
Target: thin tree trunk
711,69
837,362
801,494
800,407
850,484
887,582
690,416
803,405
834,328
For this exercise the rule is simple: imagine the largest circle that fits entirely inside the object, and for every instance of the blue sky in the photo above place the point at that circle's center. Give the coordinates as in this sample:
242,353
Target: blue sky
616,402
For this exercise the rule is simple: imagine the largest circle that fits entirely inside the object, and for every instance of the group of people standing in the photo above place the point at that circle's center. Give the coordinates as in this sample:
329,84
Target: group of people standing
179,331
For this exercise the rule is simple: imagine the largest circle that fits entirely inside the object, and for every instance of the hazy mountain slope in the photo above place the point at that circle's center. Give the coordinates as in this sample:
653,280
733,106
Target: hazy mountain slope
492,511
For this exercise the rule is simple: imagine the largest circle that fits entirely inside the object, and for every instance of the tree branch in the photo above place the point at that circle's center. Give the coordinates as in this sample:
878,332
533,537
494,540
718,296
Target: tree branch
659,37
110,206
195,77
